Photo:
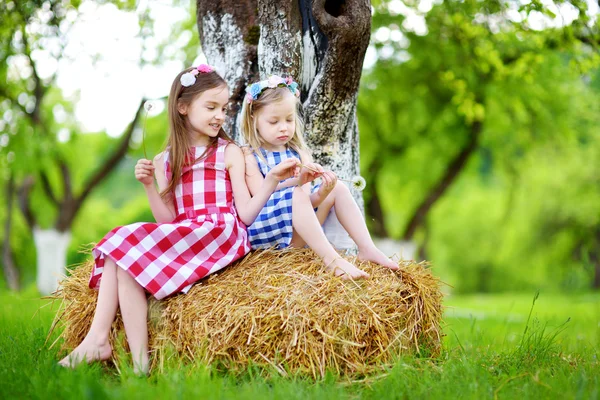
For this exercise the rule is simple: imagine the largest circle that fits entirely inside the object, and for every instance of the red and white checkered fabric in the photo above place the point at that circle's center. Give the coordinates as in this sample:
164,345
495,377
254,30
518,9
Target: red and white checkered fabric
206,235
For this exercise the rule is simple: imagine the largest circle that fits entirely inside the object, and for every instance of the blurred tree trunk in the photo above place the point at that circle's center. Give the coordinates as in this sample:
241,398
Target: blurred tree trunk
452,173
373,206
28,28
11,272
52,243
320,43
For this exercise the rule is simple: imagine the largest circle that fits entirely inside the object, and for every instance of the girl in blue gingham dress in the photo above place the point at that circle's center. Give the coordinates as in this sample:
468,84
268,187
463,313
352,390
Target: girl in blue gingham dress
272,127
273,226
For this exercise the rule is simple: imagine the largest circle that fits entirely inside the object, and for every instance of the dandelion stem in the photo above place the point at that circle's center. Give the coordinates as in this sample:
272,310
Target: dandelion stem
144,135
314,170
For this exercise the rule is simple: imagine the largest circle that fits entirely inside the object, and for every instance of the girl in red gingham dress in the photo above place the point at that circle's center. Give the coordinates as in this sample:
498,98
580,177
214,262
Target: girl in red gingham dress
198,230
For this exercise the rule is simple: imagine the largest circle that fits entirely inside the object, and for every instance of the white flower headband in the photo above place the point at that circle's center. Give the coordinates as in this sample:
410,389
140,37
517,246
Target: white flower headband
254,90
189,78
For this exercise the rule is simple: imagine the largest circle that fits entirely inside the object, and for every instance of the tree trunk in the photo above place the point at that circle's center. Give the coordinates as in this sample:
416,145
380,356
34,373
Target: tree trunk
11,273
51,246
320,43
229,33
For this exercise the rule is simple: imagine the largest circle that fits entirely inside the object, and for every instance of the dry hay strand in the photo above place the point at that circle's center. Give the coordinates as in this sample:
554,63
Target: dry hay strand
280,309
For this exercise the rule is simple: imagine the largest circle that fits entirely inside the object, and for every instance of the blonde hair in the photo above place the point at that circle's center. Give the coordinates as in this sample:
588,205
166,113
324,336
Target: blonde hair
179,141
248,122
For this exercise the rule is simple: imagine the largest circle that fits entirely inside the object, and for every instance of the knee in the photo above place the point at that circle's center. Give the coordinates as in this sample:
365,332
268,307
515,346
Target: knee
341,189
299,194
122,274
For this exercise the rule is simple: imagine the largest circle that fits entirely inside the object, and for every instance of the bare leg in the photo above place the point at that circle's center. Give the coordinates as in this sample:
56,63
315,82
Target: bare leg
351,219
95,345
134,310
307,229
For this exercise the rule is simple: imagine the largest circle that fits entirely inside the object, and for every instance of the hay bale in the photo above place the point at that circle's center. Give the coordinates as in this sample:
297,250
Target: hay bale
281,309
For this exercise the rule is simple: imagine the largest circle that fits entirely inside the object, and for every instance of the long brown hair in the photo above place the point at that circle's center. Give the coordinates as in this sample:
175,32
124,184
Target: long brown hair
249,114
179,142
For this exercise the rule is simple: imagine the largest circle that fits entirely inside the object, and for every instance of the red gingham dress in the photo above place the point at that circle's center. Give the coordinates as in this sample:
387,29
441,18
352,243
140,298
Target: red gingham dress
206,236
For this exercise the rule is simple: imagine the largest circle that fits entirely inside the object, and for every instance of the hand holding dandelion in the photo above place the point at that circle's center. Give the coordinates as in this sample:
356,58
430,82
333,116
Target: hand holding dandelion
358,182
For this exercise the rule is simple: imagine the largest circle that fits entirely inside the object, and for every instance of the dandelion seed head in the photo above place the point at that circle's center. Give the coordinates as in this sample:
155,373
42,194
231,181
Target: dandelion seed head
359,183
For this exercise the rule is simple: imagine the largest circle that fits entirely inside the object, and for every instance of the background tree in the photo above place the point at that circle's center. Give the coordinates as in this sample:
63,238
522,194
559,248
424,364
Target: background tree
474,91
320,43
40,152
519,211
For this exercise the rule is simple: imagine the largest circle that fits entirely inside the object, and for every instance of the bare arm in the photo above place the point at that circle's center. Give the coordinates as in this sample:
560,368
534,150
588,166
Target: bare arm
249,201
252,174
315,198
254,177
161,211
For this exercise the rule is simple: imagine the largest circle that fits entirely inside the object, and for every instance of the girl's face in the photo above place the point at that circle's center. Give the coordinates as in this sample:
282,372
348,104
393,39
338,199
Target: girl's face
276,123
206,114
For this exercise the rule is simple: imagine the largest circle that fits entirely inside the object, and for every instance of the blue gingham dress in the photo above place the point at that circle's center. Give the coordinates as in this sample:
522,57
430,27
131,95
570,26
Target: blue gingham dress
273,225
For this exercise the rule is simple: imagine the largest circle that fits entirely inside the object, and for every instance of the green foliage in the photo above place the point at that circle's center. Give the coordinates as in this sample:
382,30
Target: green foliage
524,211
39,133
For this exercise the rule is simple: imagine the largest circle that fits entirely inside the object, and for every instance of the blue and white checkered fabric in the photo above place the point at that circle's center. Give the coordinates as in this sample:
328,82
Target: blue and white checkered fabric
273,226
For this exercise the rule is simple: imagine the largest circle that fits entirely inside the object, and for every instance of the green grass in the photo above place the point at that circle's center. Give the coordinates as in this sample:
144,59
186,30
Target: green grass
494,348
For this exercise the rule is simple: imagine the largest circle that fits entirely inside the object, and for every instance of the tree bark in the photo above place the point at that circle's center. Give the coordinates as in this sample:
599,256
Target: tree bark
229,33
11,272
331,125
452,173
71,203
320,43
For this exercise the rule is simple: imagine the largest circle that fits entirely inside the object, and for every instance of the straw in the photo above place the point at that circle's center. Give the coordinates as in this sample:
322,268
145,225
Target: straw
280,310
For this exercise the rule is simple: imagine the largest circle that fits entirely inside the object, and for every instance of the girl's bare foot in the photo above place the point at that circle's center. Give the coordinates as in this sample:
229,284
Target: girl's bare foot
343,268
375,255
87,352
141,368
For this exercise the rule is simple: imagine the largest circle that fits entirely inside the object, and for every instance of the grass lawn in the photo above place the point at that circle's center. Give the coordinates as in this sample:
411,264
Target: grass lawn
493,349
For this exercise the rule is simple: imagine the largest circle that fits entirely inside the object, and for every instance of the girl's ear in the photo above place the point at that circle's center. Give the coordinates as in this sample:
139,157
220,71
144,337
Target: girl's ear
182,108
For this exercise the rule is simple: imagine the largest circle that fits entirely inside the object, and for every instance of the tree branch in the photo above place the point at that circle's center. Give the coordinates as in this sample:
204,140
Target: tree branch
374,209
23,195
39,90
48,188
66,179
11,273
452,172
112,161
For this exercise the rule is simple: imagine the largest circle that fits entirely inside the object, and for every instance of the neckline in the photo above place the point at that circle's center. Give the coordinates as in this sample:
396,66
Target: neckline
272,152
